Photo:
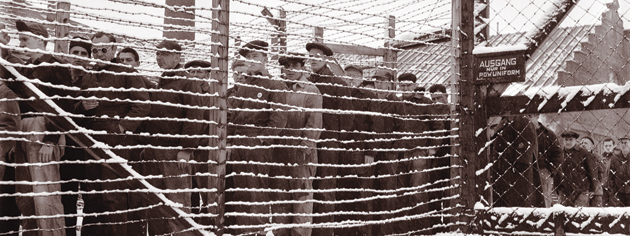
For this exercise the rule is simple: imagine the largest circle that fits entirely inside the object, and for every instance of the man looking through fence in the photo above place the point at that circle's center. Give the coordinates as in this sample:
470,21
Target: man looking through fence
305,125
354,76
550,157
130,56
169,156
41,148
200,70
333,90
102,113
253,121
580,172
620,175
607,156
393,110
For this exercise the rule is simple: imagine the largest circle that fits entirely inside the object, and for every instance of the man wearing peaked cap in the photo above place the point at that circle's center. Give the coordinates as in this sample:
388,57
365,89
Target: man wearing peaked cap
305,95
257,86
580,169
336,94
355,74
620,175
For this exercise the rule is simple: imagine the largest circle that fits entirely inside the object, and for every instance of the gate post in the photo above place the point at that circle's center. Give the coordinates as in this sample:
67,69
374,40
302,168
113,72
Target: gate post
470,109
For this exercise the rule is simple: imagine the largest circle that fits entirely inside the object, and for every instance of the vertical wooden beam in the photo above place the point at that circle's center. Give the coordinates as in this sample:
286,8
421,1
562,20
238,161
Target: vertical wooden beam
179,16
467,108
220,23
486,15
391,56
318,33
61,31
279,41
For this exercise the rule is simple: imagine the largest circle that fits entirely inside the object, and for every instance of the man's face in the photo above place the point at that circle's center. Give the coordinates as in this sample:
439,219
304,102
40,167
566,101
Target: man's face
439,97
101,51
407,86
199,73
318,59
381,83
569,142
258,61
292,70
625,146
167,60
239,74
127,58
81,52
31,42
356,77
587,144
609,146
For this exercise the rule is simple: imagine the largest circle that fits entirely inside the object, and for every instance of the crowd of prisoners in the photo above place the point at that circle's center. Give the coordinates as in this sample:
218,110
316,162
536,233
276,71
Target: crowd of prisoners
324,154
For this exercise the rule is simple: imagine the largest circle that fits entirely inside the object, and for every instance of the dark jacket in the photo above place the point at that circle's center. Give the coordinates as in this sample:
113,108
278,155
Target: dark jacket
550,154
9,117
113,102
580,171
257,113
619,174
513,171
393,111
174,110
422,114
365,100
333,90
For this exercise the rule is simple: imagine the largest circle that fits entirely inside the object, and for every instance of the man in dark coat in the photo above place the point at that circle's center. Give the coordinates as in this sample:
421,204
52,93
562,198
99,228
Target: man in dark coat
394,125
516,149
361,152
550,158
620,175
580,172
261,94
607,156
333,90
101,113
172,163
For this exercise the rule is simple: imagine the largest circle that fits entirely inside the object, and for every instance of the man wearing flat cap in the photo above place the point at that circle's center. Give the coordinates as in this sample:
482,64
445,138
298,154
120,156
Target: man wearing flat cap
334,90
580,170
393,109
118,102
353,75
620,175
200,71
32,38
303,123
362,153
257,117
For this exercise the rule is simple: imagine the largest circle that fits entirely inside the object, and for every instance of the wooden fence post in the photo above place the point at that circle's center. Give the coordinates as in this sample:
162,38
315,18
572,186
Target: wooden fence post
279,41
61,31
464,99
220,23
318,32
391,56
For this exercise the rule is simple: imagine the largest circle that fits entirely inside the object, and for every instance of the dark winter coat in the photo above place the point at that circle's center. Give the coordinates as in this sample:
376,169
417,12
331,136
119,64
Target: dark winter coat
333,90
113,104
173,110
580,171
363,123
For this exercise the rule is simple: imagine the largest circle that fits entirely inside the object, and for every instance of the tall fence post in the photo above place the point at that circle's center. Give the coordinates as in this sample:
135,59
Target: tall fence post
220,23
61,31
464,97
391,56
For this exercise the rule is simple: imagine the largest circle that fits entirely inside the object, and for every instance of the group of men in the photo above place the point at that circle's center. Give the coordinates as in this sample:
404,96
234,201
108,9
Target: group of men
347,144
533,167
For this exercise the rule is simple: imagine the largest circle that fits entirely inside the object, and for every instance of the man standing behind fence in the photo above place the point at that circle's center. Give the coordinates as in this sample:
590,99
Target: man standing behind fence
172,154
304,125
261,94
580,172
42,148
607,156
334,90
620,175
102,116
